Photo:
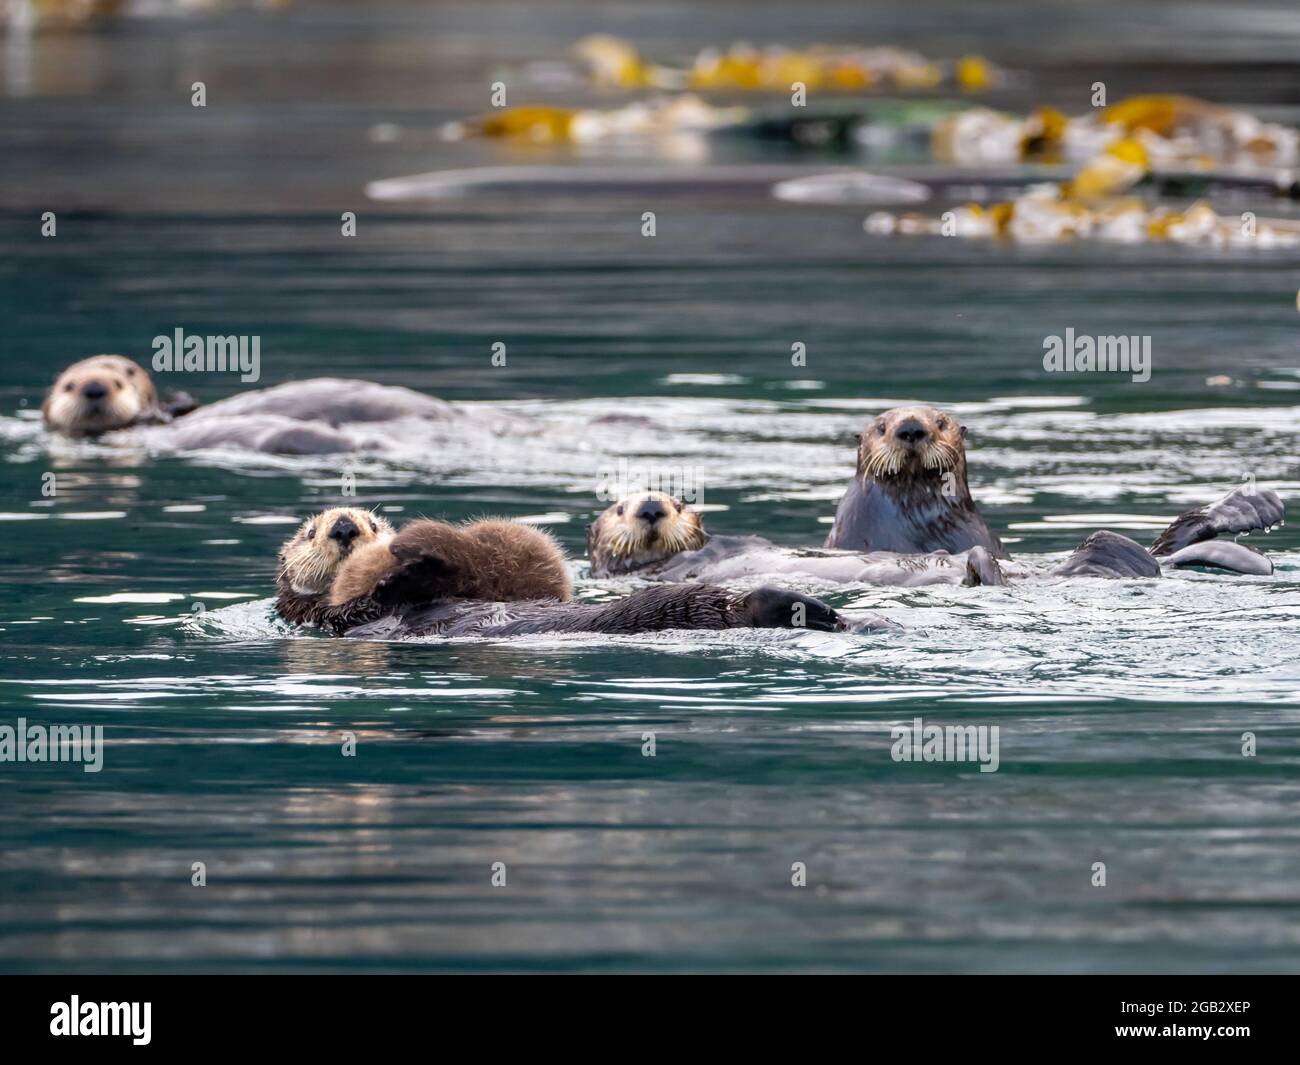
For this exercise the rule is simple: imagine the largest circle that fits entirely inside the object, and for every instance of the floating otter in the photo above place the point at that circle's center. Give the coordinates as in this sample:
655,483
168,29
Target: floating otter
654,536
909,493
317,416
107,392
110,392
348,572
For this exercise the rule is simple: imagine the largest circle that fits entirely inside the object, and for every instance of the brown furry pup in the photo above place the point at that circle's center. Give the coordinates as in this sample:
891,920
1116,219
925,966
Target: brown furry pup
107,392
493,560
640,529
345,567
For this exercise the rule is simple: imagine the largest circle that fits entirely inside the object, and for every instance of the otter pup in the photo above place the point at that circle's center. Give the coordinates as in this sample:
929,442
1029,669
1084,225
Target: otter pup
107,392
909,493
347,571
345,567
654,536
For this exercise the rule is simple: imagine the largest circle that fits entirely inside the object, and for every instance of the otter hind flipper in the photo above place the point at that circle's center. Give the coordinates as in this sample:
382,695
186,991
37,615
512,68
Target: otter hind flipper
1222,554
1244,509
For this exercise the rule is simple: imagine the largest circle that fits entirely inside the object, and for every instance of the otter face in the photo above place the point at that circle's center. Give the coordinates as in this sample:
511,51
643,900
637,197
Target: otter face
908,441
640,529
97,395
310,561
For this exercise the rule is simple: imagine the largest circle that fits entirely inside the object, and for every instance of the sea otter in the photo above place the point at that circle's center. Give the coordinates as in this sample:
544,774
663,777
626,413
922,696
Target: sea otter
654,536
909,493
348,572
110,392
107,392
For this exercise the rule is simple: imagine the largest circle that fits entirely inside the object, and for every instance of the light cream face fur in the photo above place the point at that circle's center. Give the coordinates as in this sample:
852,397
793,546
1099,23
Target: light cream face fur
639,529
909,439
310,561
97,395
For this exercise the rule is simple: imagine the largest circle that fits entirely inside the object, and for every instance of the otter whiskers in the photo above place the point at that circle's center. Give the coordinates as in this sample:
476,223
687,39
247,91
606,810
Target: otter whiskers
938,456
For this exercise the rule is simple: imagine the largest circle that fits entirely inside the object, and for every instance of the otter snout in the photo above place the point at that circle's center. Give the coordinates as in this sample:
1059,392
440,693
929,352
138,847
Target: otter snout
344,531
911,432
651,511
94,390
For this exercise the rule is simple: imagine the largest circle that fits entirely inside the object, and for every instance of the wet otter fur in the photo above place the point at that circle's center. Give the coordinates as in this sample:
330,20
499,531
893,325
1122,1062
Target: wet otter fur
654,609
909,493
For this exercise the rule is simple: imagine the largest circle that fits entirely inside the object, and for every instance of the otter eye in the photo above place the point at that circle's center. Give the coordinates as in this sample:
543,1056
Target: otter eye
68,387
620,508
311,532
943,423
374,527
880,429
130,372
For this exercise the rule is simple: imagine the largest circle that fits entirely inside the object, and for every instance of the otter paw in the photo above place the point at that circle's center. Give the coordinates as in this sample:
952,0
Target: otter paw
776,608
982,569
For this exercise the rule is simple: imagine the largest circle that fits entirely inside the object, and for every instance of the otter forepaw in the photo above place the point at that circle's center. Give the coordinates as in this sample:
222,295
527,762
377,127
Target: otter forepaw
982,568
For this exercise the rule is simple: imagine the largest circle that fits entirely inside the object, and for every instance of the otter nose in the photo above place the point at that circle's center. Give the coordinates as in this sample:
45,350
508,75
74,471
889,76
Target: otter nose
651,510
94,390
345,531
911,432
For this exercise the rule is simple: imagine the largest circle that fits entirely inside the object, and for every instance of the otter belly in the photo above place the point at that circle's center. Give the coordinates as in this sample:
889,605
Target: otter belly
333,400
299,417
871,518
271,434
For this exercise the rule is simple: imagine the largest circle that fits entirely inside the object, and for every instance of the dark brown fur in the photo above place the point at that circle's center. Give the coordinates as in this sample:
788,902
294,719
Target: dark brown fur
655,609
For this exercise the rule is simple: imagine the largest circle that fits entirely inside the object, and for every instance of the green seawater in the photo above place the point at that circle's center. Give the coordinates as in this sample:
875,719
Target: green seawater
136,596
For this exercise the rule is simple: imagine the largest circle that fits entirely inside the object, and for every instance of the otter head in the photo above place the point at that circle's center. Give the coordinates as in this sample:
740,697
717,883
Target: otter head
99,394
640,529
910,447
310,561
